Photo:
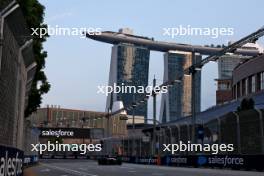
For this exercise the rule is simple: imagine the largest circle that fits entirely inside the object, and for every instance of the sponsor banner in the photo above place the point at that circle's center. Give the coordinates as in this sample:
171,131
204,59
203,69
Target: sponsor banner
81,157
11,161
175,160
148,160
30,160
58,156
70,157
232,161
62,156
220,161
46,156
65,132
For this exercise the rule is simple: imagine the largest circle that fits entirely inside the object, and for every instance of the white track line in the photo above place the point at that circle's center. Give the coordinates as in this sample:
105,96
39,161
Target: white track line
69,171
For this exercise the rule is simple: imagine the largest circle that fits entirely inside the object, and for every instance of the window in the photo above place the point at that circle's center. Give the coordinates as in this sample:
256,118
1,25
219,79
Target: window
246,86
262,81
253,84
241,88
238,89
222,86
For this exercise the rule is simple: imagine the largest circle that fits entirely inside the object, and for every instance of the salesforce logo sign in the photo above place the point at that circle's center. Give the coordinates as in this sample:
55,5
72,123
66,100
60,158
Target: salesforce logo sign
202,160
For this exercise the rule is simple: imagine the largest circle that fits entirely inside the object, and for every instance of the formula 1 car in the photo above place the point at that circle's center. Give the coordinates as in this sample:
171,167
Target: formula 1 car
109,160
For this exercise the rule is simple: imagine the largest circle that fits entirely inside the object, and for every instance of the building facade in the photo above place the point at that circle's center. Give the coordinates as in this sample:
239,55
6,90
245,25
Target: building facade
56,117
248,78
177,102
226,65
129,67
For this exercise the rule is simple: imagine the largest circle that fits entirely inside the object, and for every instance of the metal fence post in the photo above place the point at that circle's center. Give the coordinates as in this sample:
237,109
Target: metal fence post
238,133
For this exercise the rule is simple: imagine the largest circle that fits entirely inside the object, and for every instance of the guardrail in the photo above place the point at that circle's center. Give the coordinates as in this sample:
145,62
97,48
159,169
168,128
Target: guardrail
243,162
247,162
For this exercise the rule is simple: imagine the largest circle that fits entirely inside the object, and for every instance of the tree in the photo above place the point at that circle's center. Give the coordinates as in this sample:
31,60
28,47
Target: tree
246,104
34,14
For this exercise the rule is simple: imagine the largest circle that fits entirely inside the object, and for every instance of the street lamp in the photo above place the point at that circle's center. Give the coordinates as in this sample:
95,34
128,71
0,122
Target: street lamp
134,105
83,121
154,117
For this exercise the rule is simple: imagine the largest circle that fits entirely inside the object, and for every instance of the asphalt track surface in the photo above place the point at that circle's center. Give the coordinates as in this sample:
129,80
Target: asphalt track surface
91,168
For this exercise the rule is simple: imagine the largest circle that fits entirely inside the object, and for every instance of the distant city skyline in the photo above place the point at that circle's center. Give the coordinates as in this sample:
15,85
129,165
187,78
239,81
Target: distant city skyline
177,102
76,66
129,67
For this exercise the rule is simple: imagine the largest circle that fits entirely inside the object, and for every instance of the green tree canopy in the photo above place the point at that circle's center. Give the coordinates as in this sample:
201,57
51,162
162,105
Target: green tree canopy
246,104
34,14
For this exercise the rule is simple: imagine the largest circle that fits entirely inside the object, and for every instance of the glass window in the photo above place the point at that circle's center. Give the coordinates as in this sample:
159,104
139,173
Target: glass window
253,84
262,81
246,86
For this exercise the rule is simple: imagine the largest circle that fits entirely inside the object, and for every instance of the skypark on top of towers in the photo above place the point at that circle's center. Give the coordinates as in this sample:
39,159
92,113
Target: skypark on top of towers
151,44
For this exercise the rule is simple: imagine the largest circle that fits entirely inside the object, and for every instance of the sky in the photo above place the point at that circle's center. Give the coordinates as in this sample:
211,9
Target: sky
75,66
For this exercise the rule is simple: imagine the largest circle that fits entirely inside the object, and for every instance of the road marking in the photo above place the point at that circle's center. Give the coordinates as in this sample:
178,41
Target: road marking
70,171
45,170
132,171
124,167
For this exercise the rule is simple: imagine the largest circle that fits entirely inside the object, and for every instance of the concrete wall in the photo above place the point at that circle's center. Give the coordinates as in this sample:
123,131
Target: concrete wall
13,76
12,91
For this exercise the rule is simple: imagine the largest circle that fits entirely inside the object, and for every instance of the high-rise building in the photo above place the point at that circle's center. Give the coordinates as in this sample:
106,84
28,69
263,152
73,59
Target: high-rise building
226,65
177,102
129,67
